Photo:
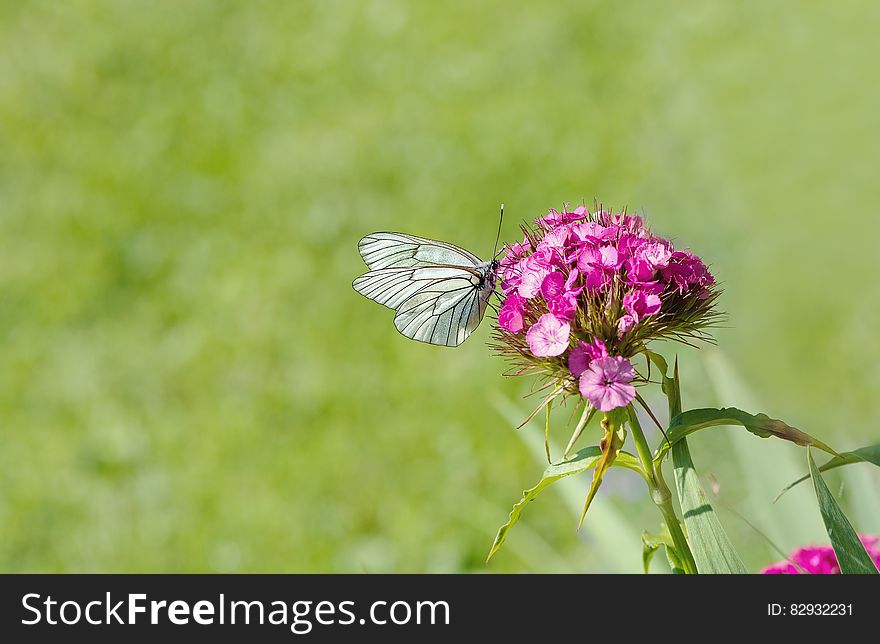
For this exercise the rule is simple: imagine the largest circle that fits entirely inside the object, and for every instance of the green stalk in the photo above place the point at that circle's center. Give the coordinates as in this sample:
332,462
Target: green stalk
681,545
660,493
642,448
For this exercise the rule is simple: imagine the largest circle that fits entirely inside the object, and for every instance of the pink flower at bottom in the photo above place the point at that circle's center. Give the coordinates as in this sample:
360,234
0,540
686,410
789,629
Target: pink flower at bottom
548,336
819,560
606,384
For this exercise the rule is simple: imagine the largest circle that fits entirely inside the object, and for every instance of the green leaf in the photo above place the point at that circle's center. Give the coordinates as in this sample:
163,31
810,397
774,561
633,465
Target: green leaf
710,545
613,535
658,360
680,558
760,425
851,554
547,431
764,466
870,454
652,542
582,461
667,385
649,547
675,563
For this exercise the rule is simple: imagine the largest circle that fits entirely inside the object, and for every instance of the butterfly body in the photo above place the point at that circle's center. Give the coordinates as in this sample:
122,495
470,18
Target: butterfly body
490,275
439,291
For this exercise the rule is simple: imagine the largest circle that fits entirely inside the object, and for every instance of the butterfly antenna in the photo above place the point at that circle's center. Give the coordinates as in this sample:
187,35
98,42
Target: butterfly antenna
498,236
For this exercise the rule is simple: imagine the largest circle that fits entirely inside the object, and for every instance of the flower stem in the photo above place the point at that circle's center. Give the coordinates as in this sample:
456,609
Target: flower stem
641,443
663,500
660,493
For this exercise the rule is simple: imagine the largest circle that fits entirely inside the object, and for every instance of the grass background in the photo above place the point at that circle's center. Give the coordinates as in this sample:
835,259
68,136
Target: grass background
188,381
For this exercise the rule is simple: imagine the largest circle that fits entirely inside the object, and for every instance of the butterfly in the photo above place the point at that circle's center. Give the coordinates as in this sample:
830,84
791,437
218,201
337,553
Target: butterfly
439,291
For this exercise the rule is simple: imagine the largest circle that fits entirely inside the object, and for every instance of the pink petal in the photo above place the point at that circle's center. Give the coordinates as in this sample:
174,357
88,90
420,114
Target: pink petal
579,360
606,383
552,285
624,324
548,336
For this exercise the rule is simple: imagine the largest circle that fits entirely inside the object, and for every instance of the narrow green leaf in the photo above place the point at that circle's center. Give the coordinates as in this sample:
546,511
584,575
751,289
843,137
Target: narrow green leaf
612,535
675,563
669,385
652,542
547,432
870,454
710,545
649,547
658,360
852,557
760,425
582,461
681,558
764,466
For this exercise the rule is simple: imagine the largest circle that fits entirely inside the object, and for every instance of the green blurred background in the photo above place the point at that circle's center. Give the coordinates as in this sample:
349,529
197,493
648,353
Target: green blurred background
189,382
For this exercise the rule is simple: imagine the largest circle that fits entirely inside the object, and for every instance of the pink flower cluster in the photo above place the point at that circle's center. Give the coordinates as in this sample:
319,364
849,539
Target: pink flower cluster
820,560
575,262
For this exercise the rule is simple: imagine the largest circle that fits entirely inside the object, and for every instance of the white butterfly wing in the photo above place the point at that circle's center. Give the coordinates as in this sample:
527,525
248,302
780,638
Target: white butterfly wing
437,289
445,313
399,250
391,287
